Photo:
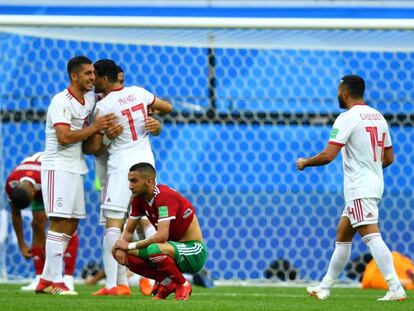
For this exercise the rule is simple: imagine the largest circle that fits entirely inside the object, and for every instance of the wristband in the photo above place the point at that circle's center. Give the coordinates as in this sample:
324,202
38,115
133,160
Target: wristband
132,246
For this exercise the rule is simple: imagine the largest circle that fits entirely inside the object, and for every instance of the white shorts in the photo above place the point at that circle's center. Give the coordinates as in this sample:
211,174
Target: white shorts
63,194
361,211
116,194
106,213
101,168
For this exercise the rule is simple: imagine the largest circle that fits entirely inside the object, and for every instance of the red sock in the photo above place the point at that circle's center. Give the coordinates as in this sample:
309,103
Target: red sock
141,267
70,255
167,265
38,253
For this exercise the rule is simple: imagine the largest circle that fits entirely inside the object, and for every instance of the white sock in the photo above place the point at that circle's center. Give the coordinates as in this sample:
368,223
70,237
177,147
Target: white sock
122,277
383,258
66,239
149,231
53,268
338,261
110,264
69,282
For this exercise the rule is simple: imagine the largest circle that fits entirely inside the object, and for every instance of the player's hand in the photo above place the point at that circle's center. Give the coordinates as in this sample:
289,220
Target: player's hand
121,244
152,111
153,126
114,131
26,251
104,122
301,163
121,257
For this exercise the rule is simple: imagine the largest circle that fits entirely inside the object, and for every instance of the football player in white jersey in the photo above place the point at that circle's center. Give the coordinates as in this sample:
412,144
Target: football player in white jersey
101,160
131,106
63,166
362,135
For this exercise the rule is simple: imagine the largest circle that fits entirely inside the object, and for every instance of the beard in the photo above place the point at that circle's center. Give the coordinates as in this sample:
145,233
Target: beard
97,90
342,103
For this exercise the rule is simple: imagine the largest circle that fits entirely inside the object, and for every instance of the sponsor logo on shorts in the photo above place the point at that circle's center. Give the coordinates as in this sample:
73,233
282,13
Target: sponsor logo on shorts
59,202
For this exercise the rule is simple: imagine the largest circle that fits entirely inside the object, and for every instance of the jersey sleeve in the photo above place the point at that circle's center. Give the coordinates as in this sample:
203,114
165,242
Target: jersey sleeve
59,112
148,97
137,211
167,209
29,179
101,108
341,130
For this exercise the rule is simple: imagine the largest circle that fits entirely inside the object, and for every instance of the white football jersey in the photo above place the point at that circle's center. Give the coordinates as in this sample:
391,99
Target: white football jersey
364,134
66,109
130,105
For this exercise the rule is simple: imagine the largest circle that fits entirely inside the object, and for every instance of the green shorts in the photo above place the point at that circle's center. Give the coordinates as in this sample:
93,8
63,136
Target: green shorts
190,256
38,206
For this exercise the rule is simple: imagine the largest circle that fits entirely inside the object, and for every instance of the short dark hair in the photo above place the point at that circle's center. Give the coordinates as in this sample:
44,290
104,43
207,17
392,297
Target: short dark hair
144,168
75,63
20,197
108,68
355,85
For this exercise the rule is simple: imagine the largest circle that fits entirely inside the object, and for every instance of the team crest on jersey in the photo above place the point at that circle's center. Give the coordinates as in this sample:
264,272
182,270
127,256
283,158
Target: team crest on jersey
66,113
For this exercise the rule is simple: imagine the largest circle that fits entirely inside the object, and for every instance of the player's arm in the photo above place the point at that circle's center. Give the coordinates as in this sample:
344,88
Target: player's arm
97,143
129,229
66,136
161,236
160,106
322,158
94,144
153,126
388,157
18,229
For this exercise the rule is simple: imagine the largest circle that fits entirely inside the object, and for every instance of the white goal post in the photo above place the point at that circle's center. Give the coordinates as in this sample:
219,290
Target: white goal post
205,22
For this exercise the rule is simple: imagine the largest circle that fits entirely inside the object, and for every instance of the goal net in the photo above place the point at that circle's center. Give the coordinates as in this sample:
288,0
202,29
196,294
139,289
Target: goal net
247,103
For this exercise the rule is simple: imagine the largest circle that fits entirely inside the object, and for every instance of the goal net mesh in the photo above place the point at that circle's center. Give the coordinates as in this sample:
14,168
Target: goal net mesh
247,103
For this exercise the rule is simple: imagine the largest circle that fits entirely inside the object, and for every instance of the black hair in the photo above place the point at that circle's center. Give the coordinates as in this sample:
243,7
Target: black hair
355,85
145,168
75,63
107,68
20,197
119,69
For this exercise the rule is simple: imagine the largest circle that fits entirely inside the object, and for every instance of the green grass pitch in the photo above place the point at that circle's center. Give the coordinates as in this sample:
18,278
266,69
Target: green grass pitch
220,298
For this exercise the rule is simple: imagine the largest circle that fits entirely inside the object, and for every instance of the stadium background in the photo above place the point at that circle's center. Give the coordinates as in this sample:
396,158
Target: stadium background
231,144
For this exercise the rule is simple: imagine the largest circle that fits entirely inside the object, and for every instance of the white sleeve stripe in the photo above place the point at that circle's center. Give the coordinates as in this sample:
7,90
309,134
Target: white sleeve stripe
165,219
31,180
